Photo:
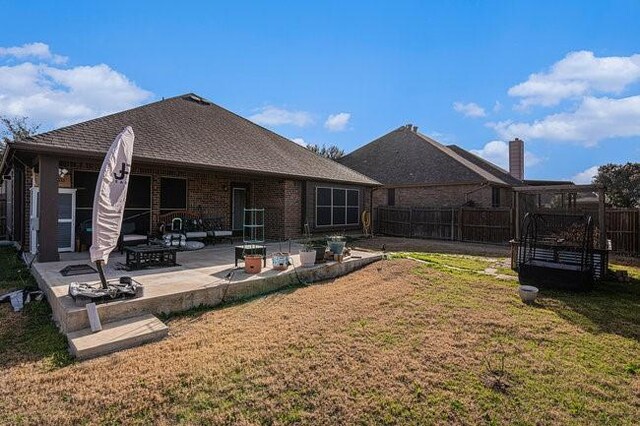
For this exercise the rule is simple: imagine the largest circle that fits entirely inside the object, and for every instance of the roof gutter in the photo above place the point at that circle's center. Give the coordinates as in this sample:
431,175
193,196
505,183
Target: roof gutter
38,149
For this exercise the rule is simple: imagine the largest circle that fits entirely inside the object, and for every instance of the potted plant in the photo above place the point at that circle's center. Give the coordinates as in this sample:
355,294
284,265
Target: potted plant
253,263
280,261
336,244
307,255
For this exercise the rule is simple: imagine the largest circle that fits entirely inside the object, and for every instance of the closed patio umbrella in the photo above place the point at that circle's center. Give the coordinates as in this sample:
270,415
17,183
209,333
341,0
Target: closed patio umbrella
110,198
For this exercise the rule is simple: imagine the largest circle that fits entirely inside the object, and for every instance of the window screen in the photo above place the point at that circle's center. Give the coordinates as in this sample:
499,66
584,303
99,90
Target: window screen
173,194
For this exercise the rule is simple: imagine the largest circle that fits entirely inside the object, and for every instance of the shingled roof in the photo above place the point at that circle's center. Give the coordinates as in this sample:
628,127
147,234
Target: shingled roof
486,165
407,157
190,130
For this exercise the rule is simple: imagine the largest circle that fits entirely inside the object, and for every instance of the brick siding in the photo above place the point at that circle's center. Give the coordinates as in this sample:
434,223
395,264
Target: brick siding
442,196
210,192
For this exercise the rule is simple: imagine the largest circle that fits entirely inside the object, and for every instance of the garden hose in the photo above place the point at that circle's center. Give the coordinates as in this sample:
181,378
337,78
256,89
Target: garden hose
366,222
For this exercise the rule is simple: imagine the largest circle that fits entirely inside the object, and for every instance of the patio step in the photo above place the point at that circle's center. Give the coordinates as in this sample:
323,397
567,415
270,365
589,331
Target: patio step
116,336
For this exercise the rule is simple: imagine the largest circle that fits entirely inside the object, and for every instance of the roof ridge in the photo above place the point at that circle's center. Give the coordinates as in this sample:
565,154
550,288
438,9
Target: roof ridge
454,155
91,120
484,160
288,140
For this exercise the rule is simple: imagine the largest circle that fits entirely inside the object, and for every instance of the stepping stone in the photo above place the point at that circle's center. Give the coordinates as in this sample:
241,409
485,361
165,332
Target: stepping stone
115,336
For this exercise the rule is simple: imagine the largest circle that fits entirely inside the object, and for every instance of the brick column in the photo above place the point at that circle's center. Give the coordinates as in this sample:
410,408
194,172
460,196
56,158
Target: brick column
48,236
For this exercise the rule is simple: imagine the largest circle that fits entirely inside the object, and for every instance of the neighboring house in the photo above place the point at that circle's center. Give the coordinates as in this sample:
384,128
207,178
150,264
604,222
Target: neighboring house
417,171
189,154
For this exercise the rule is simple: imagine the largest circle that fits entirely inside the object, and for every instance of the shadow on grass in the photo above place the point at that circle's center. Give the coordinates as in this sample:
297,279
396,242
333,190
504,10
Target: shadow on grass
611,307
29,335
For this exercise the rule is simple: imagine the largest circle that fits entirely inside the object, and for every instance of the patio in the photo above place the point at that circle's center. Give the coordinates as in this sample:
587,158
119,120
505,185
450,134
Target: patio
204,277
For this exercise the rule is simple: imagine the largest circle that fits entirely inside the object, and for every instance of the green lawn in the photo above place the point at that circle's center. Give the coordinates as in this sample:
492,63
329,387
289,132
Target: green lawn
398,342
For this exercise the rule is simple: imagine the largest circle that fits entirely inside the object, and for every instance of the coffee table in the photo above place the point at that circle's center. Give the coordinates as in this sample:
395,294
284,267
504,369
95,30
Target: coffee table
150,256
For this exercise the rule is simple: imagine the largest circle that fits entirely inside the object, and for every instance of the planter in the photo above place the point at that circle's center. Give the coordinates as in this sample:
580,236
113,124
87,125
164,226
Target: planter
336,247
308,258
253,263
528,293
280,261
319,250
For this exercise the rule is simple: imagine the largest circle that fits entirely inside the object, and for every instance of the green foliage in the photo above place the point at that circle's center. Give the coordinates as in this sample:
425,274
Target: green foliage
622,182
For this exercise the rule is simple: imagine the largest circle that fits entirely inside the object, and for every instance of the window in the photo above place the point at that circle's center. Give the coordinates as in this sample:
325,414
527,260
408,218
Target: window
391,197
495,197
173,194
138,206
337,206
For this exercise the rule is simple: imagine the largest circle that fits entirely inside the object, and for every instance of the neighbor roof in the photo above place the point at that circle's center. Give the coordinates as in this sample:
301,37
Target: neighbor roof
407,157
495,170
190,130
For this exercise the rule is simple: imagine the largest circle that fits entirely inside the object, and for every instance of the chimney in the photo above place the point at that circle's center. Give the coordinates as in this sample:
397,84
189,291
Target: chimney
516,158
415,129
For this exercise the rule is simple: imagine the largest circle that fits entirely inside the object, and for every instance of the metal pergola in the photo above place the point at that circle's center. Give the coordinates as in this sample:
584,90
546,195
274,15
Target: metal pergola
564,189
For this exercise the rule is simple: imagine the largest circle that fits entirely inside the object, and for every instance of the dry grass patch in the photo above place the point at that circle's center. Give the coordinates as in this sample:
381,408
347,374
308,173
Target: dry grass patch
397,343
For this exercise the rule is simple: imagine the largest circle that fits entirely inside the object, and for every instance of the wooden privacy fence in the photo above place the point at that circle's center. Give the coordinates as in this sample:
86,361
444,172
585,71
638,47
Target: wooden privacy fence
492,225
623,229
461,224
3,219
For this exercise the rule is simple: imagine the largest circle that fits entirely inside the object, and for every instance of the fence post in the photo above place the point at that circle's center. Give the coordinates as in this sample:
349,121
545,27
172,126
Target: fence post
460,215
410,222
453,215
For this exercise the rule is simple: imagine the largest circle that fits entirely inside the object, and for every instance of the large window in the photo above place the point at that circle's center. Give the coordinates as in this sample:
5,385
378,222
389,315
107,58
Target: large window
173,194
337,206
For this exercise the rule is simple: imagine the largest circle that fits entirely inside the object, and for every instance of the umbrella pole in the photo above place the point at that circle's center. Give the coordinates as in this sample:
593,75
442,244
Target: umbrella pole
103,280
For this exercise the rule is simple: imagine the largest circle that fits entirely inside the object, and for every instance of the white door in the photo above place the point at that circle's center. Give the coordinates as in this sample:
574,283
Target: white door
66,235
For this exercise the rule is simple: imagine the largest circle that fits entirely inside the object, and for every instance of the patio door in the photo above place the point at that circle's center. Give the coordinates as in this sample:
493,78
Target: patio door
238,204
66,234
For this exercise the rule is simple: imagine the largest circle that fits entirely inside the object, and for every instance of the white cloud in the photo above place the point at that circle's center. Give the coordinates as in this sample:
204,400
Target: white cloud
470,109
54,95
578,74
299,141
33,50
594,120
274,116
337,122
497,152
585,176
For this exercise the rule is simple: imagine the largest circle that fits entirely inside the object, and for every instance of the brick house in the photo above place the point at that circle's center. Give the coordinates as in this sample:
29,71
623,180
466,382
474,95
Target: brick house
417,171
189,154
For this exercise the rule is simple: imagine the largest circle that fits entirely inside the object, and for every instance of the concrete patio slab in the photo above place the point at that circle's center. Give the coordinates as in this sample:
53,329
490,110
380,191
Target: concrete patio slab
204,277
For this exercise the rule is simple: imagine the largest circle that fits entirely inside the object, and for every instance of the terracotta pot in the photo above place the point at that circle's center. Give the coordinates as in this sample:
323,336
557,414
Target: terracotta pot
308,258
253,263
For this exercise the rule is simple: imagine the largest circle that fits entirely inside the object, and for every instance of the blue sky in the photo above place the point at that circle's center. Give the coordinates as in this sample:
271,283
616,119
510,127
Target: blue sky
560,75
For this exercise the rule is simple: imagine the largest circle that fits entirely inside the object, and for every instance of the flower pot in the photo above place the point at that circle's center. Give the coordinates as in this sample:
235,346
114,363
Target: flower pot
320,250
308,258
528,293
253,263
280,261
336,247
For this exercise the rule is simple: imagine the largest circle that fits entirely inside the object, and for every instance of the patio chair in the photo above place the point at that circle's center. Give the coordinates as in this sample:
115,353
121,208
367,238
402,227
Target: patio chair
129,237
